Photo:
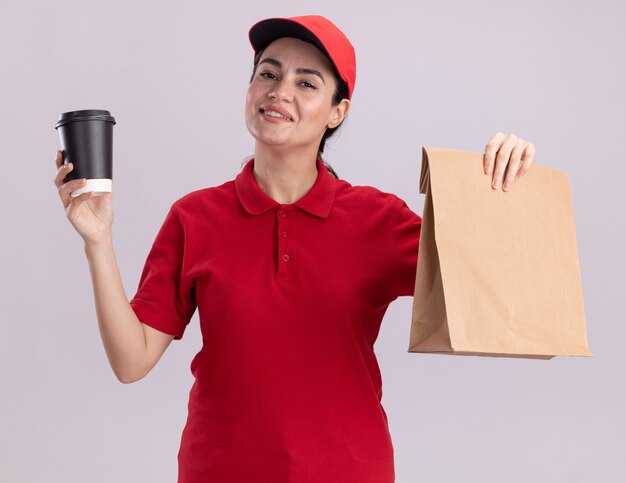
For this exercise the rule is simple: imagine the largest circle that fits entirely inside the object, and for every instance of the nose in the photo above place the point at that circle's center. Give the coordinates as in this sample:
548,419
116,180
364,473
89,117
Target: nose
282,91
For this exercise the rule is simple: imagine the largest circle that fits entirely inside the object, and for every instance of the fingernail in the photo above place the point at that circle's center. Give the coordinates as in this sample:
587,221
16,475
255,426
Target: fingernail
488,170
496,184
506,186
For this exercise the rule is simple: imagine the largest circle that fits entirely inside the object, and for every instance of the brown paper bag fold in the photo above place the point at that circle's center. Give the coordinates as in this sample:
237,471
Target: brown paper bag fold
497,272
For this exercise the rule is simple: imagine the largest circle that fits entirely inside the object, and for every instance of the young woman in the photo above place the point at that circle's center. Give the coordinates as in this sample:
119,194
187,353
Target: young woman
291,270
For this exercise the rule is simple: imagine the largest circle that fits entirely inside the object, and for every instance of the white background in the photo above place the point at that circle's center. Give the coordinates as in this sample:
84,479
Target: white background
174,74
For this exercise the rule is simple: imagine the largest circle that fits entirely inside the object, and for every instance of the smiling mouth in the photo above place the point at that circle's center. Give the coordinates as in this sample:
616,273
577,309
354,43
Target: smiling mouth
274,114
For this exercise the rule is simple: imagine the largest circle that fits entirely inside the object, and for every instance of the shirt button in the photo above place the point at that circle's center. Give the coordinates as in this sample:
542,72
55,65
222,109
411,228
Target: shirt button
282,213
284,234
285,257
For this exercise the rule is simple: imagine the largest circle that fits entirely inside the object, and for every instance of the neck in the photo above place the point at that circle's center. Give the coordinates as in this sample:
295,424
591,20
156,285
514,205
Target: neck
285,176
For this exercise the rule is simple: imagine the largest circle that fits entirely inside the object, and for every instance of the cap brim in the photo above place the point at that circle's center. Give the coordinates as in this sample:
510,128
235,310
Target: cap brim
266,31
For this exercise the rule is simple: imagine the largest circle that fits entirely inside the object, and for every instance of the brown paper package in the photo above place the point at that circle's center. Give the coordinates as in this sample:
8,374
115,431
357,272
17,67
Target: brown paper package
497,272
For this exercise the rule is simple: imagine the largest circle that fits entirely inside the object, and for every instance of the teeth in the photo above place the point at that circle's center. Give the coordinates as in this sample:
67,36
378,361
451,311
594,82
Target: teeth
276,114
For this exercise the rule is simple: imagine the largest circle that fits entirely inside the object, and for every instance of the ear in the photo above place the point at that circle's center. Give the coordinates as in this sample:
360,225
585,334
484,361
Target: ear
338,114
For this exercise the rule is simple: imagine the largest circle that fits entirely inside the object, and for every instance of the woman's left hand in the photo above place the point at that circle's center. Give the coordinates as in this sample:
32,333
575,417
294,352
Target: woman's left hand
511,156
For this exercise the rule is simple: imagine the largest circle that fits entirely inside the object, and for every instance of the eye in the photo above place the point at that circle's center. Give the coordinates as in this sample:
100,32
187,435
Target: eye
267,75
308,85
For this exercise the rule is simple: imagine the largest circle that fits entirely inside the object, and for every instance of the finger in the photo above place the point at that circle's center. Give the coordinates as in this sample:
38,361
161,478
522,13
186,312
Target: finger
514,163
527,159
66,189
493,144
62,173
75,203
59,158
502,160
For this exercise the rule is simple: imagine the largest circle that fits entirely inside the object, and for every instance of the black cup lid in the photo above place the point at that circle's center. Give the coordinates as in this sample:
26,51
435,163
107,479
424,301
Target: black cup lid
84,115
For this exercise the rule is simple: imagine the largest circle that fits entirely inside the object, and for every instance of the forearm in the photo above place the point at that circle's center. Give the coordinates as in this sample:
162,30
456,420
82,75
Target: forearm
122,333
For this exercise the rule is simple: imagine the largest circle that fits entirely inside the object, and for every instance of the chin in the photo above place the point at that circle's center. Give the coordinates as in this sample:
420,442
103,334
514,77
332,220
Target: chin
270,139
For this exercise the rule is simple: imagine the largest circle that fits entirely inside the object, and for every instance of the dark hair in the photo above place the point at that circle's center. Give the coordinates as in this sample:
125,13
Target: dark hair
341,92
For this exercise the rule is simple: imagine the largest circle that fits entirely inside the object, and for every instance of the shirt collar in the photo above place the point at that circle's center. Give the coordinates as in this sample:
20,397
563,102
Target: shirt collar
318,201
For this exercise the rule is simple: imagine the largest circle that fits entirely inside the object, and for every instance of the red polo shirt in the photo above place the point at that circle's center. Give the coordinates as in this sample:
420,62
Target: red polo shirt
290,298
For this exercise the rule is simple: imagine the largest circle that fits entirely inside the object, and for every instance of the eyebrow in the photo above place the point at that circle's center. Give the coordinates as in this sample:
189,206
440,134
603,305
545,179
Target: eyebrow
300,70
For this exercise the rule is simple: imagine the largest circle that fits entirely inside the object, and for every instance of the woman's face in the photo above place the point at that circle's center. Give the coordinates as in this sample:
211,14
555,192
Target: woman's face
289,100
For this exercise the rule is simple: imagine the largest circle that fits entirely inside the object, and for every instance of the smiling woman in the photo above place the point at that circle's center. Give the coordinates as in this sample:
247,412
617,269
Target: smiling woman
291,270
341,92
316,96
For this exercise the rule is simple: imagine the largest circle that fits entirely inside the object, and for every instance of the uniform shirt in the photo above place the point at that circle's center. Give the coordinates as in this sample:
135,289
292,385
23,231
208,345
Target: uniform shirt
290,299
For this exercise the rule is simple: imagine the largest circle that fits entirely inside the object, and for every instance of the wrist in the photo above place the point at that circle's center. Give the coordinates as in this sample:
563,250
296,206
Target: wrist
104,242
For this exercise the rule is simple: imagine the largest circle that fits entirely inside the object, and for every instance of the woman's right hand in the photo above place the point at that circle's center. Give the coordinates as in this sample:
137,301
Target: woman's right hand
90,215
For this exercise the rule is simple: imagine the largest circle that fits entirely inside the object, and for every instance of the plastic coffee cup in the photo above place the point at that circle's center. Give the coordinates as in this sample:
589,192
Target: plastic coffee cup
87,142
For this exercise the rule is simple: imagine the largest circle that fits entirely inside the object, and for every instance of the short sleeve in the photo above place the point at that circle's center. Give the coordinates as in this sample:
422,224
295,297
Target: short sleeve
165,298
405,237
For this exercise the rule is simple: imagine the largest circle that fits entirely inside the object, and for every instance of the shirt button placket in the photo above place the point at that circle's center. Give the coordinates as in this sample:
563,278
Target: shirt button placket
285,257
